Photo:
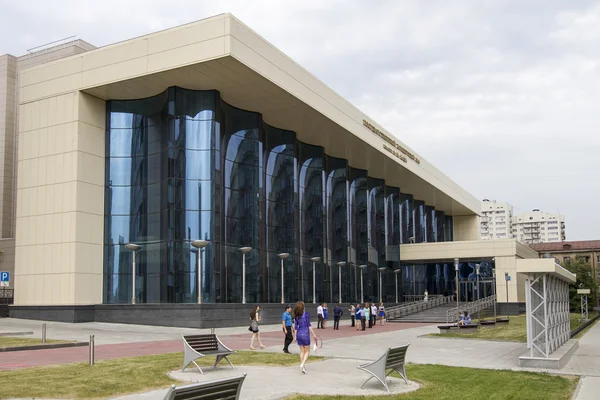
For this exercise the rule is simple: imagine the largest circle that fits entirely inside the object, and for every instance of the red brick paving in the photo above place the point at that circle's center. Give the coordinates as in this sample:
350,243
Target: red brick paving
33,358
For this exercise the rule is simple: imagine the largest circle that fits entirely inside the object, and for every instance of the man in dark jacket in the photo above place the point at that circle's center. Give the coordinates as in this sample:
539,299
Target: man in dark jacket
337,313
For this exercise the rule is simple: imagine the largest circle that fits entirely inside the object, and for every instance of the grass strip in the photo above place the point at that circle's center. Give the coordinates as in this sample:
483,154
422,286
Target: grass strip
442,382
110,378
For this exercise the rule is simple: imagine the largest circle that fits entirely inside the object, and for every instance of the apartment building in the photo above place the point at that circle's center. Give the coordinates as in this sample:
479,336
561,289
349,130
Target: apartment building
496,220
10,67
565,252
539,227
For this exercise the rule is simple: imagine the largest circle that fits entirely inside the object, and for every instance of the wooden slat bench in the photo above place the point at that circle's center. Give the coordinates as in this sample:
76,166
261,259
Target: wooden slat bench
393,360
223,389
196,346
455,329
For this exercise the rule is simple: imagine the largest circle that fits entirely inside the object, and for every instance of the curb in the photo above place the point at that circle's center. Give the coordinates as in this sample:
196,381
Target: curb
44,346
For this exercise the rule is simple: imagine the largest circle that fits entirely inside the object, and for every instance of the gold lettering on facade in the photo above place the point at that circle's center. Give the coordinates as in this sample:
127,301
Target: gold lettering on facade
392,142
394,152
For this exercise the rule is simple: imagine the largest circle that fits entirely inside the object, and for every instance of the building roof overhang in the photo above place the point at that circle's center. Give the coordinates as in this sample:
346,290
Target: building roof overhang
224,54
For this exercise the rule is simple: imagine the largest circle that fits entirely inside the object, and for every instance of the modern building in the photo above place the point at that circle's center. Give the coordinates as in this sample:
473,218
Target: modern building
496,220
565,252
181,167
539,227
10,67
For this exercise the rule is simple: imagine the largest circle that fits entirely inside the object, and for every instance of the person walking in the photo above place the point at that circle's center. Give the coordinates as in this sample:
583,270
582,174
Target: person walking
320,316
426,296
254,320
325,315
367,314
337,314
382,314
373,314
352,310
302,333
286,323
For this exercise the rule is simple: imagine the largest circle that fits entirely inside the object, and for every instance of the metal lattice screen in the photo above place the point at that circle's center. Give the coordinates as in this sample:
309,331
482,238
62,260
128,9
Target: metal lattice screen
548,323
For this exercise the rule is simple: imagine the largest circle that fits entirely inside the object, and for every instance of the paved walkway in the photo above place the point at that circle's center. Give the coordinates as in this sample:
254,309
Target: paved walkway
330,377
120,340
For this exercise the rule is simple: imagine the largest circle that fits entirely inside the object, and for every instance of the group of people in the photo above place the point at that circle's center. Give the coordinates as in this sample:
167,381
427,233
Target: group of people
361,315
464,318
296,324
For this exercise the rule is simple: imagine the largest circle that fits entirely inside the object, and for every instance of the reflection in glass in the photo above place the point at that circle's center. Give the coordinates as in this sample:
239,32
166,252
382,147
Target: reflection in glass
183,165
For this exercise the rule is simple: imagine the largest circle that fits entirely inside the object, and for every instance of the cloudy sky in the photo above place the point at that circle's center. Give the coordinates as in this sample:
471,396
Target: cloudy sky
502,96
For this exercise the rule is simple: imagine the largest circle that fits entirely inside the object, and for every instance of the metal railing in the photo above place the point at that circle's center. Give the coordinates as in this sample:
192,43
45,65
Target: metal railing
419,297
417,306
473,307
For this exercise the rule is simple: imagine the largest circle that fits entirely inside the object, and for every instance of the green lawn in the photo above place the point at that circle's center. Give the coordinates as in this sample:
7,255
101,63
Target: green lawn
515,331
116,377
441,382
6,341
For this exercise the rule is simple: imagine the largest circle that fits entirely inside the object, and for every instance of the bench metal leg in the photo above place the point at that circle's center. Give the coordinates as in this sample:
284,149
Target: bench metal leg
383,382
197,366
219,358
401,371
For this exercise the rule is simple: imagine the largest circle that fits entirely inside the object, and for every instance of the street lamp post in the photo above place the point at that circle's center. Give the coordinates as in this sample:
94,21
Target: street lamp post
396,272
244,251
478,297
362,297
282,256
340,265
200,244
457,287
380,269
506,279
314,261
134,249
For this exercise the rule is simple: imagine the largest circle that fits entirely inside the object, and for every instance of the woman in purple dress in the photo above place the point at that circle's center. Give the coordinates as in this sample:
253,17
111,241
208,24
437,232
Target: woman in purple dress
302,333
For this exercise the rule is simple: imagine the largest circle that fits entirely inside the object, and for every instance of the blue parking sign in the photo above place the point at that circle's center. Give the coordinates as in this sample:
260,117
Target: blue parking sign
4,276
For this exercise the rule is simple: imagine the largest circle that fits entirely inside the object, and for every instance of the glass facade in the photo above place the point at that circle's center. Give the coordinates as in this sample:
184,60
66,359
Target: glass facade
184,165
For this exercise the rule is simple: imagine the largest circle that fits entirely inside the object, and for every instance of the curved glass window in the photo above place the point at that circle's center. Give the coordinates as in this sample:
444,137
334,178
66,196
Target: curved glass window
183,166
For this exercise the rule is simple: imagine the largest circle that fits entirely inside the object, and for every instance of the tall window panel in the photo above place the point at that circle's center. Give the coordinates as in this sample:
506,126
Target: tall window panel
242,153
376,231
449,235
337,227
440,226
430,226
311,176
281,215
419,221
392,241
358,227
406,218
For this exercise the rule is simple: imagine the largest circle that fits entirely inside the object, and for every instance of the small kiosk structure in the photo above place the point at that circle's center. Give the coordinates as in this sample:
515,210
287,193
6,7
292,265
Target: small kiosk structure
547,304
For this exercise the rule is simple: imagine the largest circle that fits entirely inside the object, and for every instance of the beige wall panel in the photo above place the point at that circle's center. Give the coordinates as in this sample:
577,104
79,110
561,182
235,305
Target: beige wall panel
63,85
191,54
90,139
61,200
87,288
515,286
114,72
115,54
90,168
67,67
7,259
186,35
466,227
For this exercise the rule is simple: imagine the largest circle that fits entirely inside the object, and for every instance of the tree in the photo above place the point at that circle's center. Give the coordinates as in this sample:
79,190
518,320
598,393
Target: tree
585,280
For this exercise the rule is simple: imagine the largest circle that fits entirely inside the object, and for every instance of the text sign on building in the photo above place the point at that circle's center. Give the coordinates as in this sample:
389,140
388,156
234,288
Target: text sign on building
4,278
